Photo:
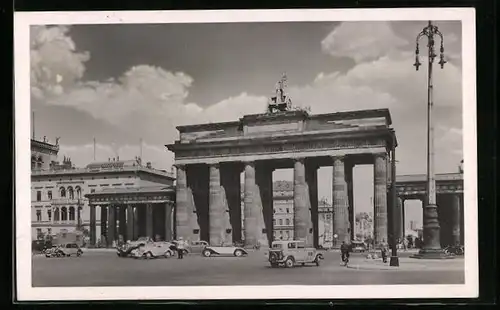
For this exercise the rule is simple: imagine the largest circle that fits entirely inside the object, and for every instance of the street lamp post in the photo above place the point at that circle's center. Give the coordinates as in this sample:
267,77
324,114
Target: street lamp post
432,245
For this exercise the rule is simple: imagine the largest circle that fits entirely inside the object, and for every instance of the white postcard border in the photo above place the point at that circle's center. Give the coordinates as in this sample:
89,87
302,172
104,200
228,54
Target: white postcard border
25,291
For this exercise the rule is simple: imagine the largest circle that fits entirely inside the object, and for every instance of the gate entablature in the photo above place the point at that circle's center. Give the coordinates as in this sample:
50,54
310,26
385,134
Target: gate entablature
287,134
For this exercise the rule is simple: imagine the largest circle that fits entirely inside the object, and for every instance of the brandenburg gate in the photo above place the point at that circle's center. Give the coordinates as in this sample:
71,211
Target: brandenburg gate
209,159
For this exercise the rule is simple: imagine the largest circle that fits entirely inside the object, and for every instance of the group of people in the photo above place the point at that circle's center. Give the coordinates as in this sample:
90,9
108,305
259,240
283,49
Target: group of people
345,249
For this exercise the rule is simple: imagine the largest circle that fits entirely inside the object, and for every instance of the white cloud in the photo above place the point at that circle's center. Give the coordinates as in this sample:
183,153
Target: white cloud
364,41
156,98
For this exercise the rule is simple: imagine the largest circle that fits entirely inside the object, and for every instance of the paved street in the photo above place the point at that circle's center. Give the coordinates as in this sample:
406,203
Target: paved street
106,269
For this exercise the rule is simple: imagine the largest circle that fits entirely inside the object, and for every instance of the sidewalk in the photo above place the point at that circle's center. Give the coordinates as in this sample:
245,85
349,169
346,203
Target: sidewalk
406,263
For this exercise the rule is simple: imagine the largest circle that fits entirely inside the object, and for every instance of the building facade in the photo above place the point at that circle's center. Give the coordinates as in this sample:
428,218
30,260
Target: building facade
364,226
283,210
325,223
58,202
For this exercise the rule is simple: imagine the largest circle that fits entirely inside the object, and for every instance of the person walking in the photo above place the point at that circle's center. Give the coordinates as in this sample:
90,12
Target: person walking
180,248
344,251
384,250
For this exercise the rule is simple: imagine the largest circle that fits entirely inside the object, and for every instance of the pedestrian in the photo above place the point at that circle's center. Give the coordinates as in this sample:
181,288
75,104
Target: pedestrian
384,250
344,251
180,248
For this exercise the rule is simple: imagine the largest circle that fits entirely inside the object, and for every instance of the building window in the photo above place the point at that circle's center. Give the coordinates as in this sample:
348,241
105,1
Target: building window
281,221
274,221
56,214
78,192
71,213
62,192
38,196
38,215
49,231
39,166
287,221
71,194
64,214
92,191
287,210
49,214
39,233
49,195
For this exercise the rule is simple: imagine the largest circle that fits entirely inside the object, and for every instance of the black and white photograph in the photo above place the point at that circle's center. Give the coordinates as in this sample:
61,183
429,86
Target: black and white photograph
246,154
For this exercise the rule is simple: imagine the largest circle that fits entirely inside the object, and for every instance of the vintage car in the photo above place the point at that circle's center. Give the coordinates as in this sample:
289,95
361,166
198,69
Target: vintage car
65,250
224,250
154,250
358,246
197,246
292,252
52,251
129,247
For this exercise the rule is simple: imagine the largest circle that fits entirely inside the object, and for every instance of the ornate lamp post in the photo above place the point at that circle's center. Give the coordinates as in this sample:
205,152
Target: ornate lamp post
393,197
432,245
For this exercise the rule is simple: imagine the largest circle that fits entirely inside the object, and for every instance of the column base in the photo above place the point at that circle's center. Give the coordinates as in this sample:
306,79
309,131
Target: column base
394,262
432,254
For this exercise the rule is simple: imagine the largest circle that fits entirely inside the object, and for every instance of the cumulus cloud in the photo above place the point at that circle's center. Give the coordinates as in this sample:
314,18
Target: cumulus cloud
55,63
151,101
362,41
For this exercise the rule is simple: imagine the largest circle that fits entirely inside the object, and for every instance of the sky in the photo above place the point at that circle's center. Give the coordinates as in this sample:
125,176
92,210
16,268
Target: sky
122,83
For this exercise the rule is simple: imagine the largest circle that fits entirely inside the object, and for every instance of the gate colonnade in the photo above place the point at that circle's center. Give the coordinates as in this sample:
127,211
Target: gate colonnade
209,159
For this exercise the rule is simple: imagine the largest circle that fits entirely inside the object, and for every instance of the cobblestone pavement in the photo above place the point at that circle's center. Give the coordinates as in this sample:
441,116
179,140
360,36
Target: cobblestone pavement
107,269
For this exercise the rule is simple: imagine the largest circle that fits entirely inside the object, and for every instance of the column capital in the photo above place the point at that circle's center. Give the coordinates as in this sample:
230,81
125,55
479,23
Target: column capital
299,159
380,155
214,165
338,157
249,163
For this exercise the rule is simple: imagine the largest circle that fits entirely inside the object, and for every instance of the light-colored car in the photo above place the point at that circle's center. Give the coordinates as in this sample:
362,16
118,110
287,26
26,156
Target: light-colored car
292,252
358,246
154,250
129,247
229,250
68,249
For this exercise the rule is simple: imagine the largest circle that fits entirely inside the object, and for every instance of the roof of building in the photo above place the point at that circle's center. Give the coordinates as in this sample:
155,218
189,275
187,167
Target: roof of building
113,164
282,186
134,190
422,177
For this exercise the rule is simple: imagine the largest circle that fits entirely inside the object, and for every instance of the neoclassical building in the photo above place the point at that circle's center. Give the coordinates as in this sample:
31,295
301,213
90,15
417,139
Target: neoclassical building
58,191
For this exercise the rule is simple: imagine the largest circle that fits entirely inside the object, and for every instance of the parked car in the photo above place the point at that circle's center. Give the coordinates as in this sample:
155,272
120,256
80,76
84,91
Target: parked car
154,250
358,246
454,250
126,249
224,250
290,253
52,251
197,246
68,249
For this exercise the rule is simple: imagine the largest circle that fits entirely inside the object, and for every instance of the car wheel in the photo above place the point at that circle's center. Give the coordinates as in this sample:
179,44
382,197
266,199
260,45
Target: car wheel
238,253
147,255
303,264
78,254
274,265
289,262
168,254
206,253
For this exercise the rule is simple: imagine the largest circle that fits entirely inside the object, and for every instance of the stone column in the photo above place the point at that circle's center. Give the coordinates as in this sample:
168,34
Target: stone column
340,202
455,218
399,219
149,220
252,207
380,198
104,221
130,223
136,223
92,231
350,195
111,225
168,221
312,184
184,210
301,203
216,208
403,218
